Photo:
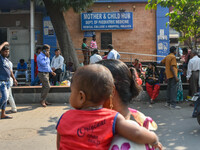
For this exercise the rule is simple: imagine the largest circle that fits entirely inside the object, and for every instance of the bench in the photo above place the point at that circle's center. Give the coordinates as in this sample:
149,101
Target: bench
31,94
60,94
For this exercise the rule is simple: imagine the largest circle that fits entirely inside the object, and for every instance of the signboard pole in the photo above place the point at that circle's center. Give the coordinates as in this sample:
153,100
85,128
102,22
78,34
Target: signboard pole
32,12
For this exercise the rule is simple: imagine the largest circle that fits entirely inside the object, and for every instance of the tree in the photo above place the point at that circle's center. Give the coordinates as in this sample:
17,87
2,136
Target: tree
55,9
185,18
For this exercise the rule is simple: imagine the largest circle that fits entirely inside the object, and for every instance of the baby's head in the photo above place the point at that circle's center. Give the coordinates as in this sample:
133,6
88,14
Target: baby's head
91,86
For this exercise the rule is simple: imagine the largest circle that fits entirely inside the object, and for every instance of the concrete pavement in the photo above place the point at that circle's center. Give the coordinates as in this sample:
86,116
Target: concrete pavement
33,127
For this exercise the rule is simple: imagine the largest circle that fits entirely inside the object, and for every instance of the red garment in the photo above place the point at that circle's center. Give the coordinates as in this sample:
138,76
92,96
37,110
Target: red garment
86,130
36,66
105,57
153,90
138,66
139,80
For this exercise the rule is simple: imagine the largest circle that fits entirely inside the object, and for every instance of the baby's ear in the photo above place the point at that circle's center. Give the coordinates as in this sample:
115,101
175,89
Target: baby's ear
82,97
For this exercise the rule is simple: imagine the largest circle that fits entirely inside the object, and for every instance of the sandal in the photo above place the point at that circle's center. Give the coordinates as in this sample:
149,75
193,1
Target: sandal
7,117
43,103
47,103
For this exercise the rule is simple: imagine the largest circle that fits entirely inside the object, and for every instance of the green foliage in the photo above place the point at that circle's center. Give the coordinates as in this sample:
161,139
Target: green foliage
184,18
64,5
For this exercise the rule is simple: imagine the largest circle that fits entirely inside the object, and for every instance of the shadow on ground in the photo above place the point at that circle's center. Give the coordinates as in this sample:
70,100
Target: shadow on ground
51,129
177,129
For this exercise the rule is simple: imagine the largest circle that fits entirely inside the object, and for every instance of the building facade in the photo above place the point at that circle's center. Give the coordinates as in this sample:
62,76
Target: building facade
144,33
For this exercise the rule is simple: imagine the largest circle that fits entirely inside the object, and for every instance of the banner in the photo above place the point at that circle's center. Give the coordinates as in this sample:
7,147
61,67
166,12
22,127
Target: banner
162,32
107,21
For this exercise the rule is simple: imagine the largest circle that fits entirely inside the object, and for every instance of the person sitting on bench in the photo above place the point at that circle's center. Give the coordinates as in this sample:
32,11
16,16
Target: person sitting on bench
22,69
56,66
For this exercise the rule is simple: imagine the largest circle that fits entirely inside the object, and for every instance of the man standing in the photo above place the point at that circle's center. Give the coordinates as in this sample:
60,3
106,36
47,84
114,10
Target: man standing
5,73
44,69
10,97
95,57
172,79
93,43
22,69
57,65
193,72
113,54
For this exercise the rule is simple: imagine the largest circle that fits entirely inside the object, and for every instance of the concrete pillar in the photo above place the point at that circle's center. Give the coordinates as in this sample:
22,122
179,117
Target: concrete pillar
32,27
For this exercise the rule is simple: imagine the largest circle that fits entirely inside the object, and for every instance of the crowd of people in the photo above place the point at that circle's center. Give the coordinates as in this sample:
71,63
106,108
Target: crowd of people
176,72
91,53
104,112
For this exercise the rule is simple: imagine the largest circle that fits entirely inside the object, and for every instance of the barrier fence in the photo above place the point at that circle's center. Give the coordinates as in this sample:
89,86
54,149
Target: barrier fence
124,56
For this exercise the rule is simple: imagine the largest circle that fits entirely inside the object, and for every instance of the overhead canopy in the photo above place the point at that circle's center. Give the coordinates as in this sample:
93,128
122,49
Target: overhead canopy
121,1
173,33
8,5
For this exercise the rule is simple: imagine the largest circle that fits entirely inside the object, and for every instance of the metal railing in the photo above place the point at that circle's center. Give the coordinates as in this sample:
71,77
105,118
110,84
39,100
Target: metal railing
125,56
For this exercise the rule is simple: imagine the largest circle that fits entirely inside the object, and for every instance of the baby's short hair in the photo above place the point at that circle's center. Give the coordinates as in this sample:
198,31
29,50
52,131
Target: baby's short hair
95,81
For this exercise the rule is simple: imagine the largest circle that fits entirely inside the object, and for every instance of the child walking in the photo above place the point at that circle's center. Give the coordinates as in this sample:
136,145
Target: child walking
90,126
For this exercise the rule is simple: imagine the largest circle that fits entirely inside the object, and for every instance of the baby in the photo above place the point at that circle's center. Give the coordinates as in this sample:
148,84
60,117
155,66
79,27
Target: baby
90,126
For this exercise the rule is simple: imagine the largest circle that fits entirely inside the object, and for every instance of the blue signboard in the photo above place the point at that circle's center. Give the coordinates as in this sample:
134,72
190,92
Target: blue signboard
162,32
49,36
89,33
107,21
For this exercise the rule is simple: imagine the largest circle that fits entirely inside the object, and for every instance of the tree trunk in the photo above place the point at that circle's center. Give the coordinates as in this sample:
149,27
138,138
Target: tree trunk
62,33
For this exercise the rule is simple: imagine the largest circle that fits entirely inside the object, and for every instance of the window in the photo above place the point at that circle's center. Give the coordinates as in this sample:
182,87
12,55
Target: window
3,35
106,38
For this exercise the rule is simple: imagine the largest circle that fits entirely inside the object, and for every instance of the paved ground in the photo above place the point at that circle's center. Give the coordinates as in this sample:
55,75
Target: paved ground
33,127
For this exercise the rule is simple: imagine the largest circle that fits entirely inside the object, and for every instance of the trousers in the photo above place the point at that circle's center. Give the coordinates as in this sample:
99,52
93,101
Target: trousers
44,78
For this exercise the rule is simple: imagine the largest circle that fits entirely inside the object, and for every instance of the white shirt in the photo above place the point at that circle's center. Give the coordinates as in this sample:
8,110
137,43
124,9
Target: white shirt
95,58
11,67
113,54
57,62
193,65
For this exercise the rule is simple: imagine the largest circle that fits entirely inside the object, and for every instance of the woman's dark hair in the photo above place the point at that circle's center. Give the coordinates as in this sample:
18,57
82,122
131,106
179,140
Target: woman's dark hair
154,64
125,79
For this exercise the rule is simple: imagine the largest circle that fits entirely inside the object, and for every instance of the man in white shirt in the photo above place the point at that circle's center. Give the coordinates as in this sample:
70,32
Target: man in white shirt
113,54
10,97
57,65
95,57
193,72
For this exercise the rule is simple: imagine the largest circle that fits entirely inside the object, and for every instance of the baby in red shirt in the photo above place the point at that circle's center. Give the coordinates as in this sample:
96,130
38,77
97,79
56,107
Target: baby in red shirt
90,126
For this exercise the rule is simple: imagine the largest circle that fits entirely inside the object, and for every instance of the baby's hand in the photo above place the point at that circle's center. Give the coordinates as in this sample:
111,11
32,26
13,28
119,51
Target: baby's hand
158,146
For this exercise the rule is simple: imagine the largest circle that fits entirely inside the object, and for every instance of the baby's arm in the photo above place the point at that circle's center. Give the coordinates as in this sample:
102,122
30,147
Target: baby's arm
135,133
58,141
